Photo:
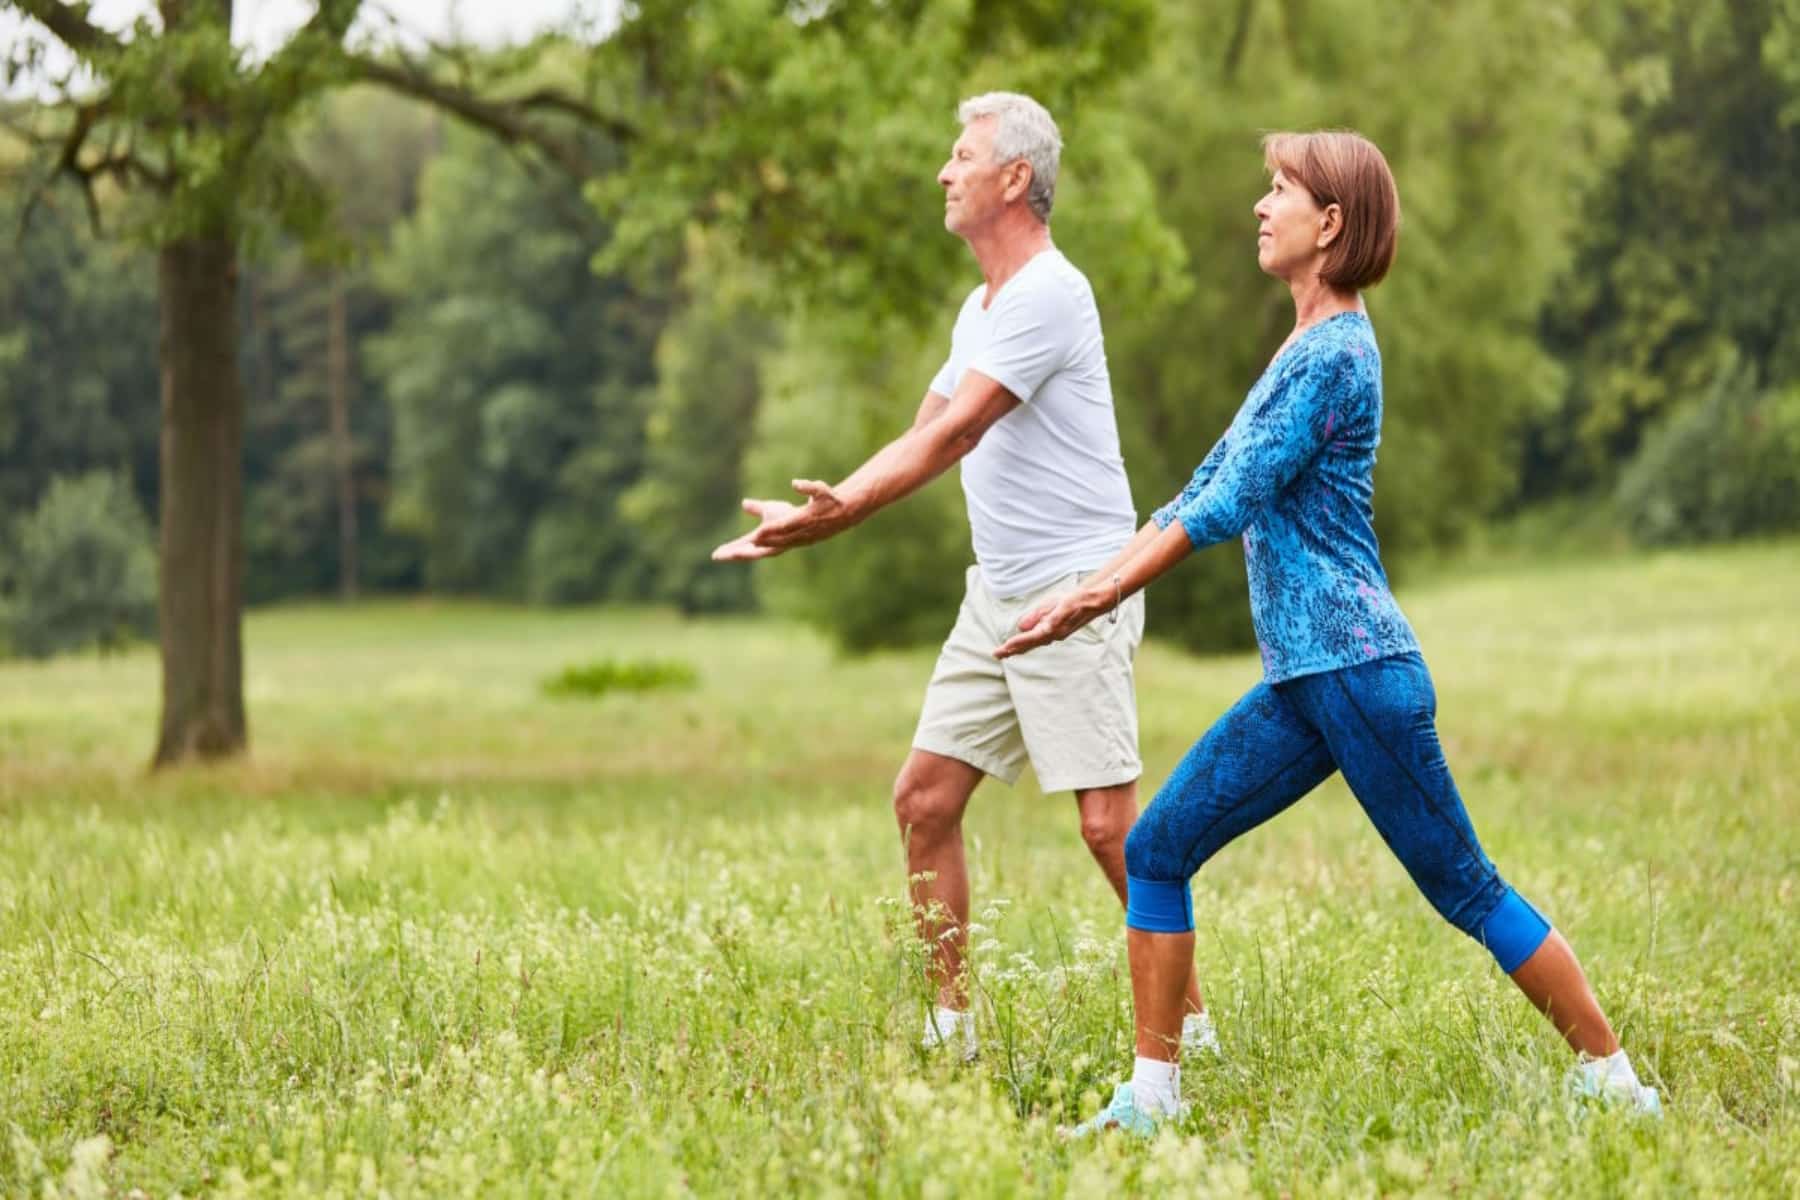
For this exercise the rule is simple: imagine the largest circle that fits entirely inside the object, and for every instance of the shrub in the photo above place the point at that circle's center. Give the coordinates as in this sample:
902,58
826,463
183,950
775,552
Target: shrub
1725,466
608,675
84,569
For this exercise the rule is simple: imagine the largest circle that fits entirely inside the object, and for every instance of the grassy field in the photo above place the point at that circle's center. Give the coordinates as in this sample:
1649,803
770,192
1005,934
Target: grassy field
444,934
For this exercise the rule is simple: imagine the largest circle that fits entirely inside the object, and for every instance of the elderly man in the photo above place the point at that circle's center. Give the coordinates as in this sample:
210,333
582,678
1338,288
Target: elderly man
1024,402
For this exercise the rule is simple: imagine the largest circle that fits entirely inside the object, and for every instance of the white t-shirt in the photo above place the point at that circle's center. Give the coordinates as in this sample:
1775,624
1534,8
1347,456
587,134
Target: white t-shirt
1046,484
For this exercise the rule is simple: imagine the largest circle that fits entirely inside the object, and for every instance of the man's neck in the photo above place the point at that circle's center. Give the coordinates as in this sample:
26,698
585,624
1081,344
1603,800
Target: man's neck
1003,250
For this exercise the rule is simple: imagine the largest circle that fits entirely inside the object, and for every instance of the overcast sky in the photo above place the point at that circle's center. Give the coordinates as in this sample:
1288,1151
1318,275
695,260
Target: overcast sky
263,25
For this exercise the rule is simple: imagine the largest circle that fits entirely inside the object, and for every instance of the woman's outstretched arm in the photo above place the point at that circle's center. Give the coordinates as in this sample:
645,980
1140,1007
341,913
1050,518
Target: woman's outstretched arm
1151,552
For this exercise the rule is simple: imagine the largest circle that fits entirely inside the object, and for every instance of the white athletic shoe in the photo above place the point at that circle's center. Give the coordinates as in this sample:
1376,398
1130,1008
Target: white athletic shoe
1199,1036
1602,1080
949,1027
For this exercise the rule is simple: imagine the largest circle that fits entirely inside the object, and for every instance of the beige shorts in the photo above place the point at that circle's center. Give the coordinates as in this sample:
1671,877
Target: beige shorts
1069,707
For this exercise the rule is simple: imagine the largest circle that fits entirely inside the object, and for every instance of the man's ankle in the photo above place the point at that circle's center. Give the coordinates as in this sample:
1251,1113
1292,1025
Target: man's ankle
945,1026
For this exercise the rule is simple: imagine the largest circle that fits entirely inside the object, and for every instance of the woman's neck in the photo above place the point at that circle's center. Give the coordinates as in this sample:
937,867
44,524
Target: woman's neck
1315,300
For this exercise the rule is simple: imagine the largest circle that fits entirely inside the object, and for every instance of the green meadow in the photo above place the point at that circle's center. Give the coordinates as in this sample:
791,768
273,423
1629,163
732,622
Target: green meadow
447,932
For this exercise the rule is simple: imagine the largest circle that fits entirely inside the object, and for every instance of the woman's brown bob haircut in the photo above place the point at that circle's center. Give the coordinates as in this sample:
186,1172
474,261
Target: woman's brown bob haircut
1344,169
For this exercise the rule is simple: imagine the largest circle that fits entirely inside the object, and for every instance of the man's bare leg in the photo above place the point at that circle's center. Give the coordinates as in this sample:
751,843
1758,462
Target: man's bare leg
929,798
1107,815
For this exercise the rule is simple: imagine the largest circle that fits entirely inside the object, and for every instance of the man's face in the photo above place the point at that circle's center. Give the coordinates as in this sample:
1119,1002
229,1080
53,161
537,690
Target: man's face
974,184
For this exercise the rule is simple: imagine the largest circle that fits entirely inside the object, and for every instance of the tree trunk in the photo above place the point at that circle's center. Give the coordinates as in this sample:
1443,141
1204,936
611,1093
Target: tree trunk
338,389
202,560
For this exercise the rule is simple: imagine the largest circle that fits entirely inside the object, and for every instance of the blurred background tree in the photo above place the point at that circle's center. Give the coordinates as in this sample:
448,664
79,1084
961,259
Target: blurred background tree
77,356
197,134
807,151
1501,120
83,569
318,433
518,382
481,376
698,425
1681,290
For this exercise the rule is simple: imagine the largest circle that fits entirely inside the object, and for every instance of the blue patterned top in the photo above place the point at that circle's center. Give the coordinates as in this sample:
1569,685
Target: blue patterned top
1293,475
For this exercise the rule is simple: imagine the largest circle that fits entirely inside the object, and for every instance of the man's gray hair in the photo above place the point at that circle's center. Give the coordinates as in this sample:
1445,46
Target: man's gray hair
1022,129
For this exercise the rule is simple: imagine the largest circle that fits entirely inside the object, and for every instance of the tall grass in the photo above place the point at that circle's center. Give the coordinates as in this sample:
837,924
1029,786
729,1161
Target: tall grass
443,935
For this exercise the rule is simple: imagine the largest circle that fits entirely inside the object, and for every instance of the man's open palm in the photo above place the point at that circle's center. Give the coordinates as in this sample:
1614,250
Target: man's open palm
783,526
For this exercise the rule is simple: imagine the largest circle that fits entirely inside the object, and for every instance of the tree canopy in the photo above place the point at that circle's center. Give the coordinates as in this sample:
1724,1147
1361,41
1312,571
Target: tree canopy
703,254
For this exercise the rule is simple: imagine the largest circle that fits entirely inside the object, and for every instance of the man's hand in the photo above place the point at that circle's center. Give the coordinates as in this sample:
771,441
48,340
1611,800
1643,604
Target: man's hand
1055,620
783,526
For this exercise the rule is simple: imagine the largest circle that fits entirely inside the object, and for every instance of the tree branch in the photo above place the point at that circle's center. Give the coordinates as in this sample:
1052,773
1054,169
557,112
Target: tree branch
124,166
460,57
70,24
332,18
328,25
507,119
121,163
86,115
555,101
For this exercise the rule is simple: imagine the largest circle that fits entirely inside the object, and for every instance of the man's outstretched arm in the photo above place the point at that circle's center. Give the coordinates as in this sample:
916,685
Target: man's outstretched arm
944,430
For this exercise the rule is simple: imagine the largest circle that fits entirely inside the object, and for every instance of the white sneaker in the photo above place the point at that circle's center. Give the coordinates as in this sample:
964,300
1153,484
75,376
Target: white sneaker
950,1027
1199,1035
1612,1081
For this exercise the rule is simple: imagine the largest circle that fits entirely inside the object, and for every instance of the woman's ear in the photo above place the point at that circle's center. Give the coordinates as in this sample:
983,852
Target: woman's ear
1331,223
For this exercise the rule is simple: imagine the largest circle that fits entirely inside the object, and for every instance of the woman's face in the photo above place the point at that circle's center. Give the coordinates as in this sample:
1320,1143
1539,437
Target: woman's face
1292,230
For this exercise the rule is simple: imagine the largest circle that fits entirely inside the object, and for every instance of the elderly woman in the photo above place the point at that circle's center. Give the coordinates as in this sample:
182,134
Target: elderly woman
1344,688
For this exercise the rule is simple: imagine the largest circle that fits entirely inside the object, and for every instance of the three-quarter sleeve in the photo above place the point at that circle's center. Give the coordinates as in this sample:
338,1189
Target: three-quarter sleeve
1165,516
1271,443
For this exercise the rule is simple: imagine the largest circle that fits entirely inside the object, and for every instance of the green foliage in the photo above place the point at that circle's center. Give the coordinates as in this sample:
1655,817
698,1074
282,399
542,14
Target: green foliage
810,137
699,427
1781,55
1162,175
895,580
78,328
809,147
368,150
1492,94
1596,231
83,569
1725,466
1685,264
518,384
612,675
202,135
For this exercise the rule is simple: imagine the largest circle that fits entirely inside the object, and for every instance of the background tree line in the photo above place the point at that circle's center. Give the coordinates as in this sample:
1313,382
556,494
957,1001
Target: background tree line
486,376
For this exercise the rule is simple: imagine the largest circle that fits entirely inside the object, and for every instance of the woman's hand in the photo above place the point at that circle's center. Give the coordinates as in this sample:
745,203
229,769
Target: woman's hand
1055,620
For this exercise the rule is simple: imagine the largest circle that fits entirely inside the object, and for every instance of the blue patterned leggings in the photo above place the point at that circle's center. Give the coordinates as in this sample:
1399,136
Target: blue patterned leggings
1377,723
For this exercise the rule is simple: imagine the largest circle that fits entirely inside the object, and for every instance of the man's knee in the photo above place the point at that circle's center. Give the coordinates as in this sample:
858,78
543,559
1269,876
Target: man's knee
1105,831
924,806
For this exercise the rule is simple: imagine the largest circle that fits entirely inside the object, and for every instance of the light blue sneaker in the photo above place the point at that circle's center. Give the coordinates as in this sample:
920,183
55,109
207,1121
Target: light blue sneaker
1640,1098
1123,1113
